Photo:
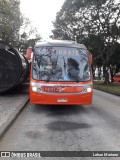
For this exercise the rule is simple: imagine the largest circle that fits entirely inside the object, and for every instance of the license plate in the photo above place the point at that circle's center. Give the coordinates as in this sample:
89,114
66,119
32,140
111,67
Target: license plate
62,100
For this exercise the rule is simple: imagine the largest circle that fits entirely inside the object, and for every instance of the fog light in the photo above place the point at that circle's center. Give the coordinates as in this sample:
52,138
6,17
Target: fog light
89,90
34,89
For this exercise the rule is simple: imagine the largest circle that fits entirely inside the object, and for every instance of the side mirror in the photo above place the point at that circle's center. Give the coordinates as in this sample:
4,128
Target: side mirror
29,53
90,57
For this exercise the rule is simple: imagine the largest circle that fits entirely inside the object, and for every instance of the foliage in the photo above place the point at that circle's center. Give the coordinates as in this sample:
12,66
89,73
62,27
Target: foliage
96,23
28,36
10,20
114,63
14,28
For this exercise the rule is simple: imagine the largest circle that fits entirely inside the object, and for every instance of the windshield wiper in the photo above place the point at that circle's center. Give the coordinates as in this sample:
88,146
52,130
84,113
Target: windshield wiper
48,79
77,79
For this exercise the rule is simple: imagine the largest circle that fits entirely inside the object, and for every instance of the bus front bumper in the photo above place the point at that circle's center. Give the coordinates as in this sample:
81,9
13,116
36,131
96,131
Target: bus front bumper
60,99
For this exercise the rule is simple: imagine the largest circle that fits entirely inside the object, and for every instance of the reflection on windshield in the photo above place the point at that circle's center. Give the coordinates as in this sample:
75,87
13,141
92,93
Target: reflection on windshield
60,64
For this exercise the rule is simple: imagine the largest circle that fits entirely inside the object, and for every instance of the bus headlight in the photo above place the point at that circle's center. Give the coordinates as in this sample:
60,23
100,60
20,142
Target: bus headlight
34,89
89,89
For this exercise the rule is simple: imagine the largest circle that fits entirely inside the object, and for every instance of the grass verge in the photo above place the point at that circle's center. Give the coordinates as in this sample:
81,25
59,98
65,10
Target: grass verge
113,88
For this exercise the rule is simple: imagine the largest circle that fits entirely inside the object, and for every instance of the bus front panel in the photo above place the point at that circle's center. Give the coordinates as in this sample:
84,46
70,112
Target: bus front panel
61,75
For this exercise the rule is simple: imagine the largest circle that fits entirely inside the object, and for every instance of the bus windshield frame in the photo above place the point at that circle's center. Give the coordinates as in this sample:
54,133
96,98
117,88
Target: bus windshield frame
64,64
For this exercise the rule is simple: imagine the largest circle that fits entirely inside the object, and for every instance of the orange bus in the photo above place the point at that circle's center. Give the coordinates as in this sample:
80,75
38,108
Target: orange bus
61,73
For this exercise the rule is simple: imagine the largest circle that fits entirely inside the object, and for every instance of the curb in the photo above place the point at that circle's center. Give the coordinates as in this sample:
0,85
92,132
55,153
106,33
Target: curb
12,118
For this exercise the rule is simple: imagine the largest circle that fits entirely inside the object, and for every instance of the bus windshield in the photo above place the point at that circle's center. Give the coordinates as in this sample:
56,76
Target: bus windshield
60,64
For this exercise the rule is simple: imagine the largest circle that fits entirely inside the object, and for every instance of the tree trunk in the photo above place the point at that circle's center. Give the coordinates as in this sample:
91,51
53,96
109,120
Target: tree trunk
104,70
107,77
93,71
99,73
112,75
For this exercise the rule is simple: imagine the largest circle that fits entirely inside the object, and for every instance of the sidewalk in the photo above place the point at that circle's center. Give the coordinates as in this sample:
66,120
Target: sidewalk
11,104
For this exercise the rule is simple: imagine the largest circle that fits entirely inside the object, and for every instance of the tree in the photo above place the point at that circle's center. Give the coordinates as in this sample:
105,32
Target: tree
10,21
14,28
88,19
104,21
114,63
28,36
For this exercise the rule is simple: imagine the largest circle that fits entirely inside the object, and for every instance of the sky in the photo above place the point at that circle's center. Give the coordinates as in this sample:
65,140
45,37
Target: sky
41,13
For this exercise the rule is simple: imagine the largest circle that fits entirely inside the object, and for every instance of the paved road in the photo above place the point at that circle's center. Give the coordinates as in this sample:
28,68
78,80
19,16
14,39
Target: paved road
67,128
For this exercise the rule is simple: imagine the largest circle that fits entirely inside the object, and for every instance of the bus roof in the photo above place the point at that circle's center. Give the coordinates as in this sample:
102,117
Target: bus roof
60,43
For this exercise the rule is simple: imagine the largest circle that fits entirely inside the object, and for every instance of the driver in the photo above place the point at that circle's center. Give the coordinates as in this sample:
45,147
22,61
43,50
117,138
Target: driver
73,69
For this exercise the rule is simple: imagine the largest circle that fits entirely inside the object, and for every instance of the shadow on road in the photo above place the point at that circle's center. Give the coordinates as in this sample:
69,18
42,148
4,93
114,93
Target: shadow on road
66,125
60,110
60,117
